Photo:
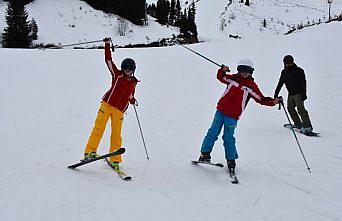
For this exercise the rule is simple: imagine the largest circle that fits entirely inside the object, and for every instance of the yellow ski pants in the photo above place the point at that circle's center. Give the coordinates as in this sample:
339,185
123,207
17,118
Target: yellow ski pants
116,117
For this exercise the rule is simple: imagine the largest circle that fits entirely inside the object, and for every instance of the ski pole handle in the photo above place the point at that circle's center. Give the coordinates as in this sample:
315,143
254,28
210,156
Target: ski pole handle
281,102
112,44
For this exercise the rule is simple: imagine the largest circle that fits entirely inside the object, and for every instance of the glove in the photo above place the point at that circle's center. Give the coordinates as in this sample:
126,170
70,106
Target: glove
106,39
304,97
225,68
280,99
133,101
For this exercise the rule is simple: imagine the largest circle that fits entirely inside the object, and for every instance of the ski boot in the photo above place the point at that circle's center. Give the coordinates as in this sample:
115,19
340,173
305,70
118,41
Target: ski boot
205,157
294,126
307,131
91,155
231,169
115,165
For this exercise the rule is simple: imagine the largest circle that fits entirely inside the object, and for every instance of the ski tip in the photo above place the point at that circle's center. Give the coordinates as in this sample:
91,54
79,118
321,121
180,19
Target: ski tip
121,150
219,164
234,182
127,178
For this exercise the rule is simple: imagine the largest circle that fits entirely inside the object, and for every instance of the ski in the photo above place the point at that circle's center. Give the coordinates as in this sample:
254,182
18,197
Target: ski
83,162
232,175
121,173
195,162
309,134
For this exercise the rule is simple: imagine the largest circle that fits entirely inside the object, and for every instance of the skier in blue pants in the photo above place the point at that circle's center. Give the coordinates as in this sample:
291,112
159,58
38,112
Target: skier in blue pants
214,131
240,88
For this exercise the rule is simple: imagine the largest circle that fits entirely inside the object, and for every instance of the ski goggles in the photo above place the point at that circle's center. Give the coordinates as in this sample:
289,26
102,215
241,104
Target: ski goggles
128,67
245,68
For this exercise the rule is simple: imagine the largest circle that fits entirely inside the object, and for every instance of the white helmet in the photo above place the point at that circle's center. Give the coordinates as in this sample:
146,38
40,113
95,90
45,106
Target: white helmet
245,65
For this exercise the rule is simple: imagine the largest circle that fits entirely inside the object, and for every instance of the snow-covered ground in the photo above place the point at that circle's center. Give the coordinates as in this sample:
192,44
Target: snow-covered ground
72,21
50,100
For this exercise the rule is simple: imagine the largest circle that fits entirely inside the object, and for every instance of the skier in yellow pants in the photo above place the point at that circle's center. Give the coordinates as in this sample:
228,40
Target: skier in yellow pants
107,111
114,104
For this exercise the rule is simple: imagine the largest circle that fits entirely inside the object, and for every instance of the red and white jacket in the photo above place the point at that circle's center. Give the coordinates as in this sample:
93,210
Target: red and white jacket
237,94
121,93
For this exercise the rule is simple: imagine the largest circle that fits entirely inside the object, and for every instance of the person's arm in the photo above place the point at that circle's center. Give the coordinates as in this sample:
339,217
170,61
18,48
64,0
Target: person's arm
304,96
256,94
108,59
280,85
132,99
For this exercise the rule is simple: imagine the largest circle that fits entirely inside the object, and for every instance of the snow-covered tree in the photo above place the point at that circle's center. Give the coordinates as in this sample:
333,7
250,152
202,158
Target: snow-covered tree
34,29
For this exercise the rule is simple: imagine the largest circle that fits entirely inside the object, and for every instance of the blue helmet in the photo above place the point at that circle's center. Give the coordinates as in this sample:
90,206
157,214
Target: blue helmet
128,64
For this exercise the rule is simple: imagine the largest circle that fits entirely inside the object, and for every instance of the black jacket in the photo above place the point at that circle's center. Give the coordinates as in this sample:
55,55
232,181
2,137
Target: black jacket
294,79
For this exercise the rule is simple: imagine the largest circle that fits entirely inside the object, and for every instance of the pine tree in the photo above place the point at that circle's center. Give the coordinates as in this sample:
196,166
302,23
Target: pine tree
34,29
178,10
182,23
172,17
17,34
247,3
192,12
133,10
191,20
163,9
159,13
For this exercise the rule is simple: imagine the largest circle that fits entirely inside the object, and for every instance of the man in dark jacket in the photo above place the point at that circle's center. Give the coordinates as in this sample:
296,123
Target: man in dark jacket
294,79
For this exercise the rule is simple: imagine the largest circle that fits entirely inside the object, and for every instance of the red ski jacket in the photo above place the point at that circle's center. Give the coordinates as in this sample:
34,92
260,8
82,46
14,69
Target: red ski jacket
121,93
237,94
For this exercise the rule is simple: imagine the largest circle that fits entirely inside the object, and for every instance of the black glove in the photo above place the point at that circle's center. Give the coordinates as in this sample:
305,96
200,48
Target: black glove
106,39
225,68
304,97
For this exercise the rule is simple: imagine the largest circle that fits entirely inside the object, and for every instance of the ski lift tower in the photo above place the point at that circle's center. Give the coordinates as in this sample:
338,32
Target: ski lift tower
329,2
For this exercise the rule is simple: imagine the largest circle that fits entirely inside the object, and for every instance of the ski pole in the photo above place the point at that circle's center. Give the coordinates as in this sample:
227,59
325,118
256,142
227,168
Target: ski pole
142,135
201,55
81,43
294,133
68,45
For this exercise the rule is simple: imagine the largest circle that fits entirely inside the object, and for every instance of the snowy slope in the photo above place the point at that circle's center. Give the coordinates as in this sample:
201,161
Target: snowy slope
70,21
221,19
49,103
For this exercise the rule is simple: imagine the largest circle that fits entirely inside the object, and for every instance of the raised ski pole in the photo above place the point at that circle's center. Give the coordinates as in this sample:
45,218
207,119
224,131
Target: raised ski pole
81,43
200,55
294,133
75,44
142,135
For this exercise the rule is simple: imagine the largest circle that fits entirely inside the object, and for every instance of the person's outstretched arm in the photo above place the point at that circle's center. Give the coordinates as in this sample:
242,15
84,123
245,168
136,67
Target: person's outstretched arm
108,59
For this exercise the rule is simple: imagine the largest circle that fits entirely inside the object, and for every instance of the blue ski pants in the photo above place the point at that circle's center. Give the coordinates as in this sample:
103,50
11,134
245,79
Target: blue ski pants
214,131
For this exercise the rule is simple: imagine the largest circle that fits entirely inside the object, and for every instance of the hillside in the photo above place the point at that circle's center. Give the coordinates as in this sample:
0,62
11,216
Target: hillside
72,21
219,20
50,99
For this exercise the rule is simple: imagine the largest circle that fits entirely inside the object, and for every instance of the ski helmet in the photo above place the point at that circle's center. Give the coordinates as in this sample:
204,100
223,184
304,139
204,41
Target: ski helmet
128,63
288,59
245,65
